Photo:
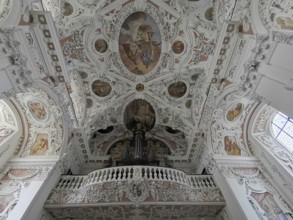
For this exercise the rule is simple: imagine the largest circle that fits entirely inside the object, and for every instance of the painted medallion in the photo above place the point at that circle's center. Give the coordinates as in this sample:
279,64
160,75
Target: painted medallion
178,47
177,89
139,111
101,88
40,146
68,9
231,146
234,112
101,46
140,43
37,109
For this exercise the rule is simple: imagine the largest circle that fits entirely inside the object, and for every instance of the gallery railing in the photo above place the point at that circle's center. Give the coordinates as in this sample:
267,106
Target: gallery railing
136,172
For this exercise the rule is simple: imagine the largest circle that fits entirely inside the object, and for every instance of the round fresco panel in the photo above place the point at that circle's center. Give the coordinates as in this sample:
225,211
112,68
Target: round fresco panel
101,46
101,88
68,9
234,112
139,111
37,109
140,43
178,47
177,89
209,14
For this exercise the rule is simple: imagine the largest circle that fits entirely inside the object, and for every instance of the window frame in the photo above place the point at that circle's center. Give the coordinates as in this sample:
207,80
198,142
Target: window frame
276,135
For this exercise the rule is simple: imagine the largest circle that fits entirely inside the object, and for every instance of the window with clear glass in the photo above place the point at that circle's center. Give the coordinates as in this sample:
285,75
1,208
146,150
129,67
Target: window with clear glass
282,128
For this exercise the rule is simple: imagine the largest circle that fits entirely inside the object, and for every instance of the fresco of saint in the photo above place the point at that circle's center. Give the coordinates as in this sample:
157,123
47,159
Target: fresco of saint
140,43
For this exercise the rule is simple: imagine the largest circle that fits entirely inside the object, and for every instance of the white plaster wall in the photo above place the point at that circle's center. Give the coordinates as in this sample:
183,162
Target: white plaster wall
277,95
232,195
5,83
276,83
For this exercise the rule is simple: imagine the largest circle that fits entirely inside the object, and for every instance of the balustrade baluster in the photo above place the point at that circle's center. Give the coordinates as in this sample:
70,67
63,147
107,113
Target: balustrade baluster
61,183
182,178
79,182
212,182
122,174
98,175
205,183
170,175
208,182
161,174
156,172
178,177
202,183
117,173
126,173
103,175
109,174
131,173
153,173
75,182
71,183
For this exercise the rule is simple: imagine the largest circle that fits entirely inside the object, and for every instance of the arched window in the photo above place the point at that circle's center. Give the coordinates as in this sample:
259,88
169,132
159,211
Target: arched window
282,130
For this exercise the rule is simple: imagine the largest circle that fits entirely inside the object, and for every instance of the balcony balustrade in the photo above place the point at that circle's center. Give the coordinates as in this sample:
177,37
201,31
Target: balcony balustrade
115,174
144,188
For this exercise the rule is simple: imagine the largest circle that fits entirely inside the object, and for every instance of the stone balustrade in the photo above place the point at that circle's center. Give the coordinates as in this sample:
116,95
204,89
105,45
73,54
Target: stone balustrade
136,172
136,185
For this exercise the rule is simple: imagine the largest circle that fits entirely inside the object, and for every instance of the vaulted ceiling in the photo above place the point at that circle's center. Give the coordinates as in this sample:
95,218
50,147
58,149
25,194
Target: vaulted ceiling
181,68
147,59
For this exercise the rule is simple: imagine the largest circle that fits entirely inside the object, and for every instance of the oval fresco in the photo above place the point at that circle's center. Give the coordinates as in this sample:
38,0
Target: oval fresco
140,43
234,112
177,89
139,111
101,45
101,88
37,109
178,47
68,9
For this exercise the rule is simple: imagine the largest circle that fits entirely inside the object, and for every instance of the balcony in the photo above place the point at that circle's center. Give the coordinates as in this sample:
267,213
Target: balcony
138,186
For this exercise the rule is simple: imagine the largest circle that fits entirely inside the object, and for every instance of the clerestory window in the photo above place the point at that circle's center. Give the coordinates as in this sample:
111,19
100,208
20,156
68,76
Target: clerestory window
282,130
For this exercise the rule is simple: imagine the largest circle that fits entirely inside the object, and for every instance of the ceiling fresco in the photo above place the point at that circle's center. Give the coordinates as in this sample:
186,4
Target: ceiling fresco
95,80
45,124
140,43
124,54
148,62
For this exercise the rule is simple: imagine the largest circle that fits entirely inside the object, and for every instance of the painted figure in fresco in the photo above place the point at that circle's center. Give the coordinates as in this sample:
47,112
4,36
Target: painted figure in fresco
101,88
139,111
37,109
101,45
177,89
234,112
138,43
178,47
285,23
231,146
267,202
68,9
40,146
